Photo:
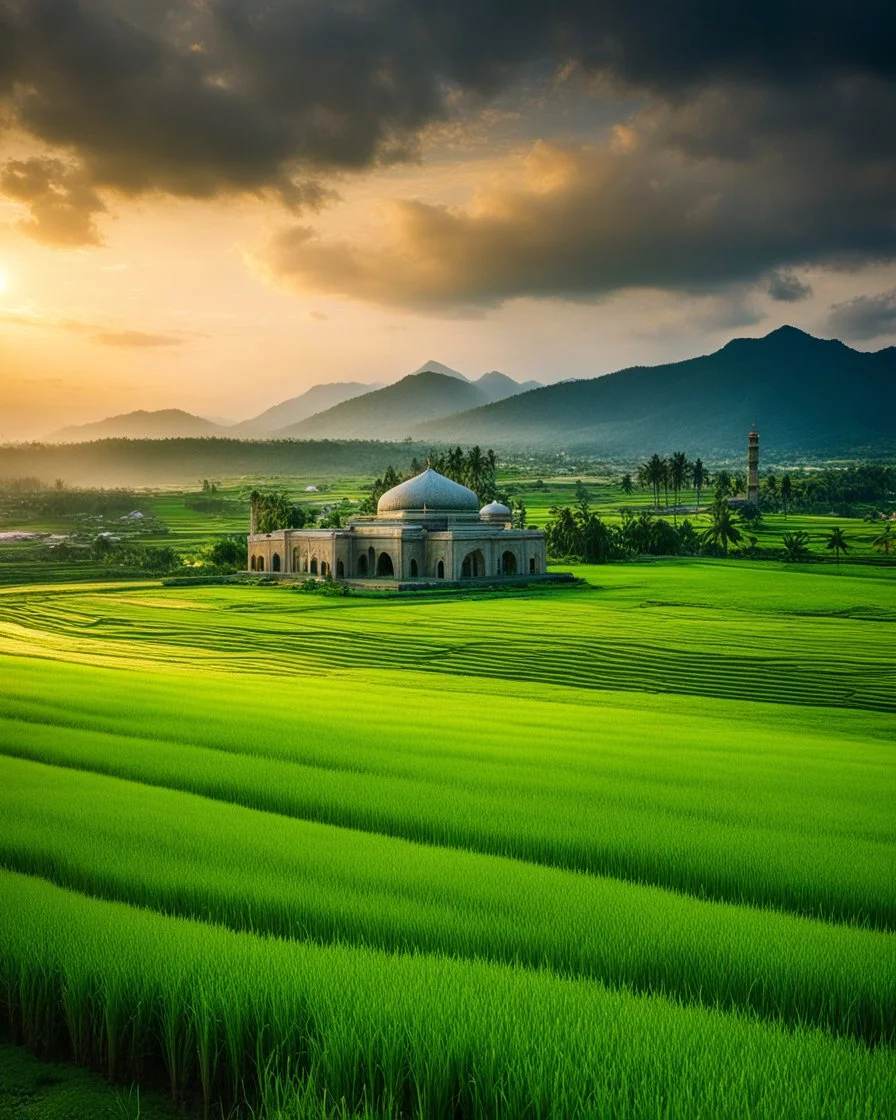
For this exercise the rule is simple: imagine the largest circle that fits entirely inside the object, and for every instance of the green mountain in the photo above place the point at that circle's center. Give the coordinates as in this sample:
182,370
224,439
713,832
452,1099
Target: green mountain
804,394
316,399
163,423
498,386
392,412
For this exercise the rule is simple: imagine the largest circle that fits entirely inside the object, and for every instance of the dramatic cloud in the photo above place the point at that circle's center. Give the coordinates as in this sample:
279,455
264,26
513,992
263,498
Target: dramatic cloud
194,98
864,317
785,286
763,140
577,221
62,202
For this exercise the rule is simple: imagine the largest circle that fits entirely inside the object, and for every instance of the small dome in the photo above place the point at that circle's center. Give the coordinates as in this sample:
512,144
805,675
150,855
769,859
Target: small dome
494,509
430,491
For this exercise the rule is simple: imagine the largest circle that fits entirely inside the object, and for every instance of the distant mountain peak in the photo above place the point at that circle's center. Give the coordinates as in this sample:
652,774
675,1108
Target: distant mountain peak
433,366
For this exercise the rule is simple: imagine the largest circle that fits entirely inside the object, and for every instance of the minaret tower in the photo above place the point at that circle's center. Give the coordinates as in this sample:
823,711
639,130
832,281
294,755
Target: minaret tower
753,468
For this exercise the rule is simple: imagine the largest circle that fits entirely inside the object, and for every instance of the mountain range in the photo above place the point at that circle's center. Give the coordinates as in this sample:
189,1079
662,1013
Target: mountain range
332,410
805,394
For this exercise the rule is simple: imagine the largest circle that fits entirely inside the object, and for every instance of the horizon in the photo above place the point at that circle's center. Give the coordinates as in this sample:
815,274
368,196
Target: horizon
570,195
226,423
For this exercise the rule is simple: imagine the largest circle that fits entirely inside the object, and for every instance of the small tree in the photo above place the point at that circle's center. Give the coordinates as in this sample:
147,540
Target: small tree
796,547
884,541
723,531
679,469
698,473
837,543
786,493
723,485
627,484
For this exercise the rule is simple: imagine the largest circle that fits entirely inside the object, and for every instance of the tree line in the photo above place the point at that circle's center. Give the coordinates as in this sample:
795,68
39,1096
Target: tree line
828,489
474,468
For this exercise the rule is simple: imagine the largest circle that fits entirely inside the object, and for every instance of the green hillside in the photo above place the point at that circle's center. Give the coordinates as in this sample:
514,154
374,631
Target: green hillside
805,395
391,413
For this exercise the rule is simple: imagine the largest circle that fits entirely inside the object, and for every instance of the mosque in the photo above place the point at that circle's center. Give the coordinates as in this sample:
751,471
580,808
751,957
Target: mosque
428,528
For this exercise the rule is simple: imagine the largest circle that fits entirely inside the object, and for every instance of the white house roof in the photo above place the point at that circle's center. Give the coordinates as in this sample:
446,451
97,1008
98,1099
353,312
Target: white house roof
429,490
495,509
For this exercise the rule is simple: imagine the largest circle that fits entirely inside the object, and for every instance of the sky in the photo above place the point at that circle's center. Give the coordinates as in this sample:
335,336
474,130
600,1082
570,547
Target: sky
215,204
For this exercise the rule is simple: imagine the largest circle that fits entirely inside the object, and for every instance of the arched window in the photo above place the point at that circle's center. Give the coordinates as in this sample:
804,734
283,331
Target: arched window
314,565
362,566
508,564
340,570
275,562
532,564
260,567
440,570
473,566
384,565
413,569
323,568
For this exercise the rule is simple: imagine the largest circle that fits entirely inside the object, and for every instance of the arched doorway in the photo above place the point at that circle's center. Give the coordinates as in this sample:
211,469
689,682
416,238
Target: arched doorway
440,570
340,570
324,568
260,567
384,565
362,566
532,565
508,564
473,566
314,565
275,562
252,564
413,569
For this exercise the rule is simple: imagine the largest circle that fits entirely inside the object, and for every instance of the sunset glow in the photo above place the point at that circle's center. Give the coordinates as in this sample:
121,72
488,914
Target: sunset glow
578,210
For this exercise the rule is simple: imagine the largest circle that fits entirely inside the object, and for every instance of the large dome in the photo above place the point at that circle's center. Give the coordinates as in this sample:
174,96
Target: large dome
430,491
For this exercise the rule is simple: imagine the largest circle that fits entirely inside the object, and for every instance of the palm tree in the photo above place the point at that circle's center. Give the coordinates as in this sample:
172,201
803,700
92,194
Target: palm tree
652,473
723,485
838,542
724,530
699,476
796,547
679,468
786,494
627,484
884,542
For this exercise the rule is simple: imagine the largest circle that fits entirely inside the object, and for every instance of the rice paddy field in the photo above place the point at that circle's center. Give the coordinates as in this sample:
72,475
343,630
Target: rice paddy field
623,848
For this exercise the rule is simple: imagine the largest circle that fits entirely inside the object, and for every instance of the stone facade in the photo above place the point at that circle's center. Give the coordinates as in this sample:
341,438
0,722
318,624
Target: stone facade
409,540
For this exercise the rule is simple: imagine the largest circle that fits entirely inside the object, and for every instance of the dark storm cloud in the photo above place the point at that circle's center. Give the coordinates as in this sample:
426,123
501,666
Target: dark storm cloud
785,286
864,317
581,221
765,139
200,97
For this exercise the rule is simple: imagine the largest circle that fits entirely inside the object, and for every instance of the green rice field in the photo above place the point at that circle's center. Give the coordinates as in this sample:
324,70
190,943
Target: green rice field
623,848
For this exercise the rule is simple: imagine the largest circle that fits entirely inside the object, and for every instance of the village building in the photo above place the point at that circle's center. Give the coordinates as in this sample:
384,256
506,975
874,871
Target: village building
428,528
